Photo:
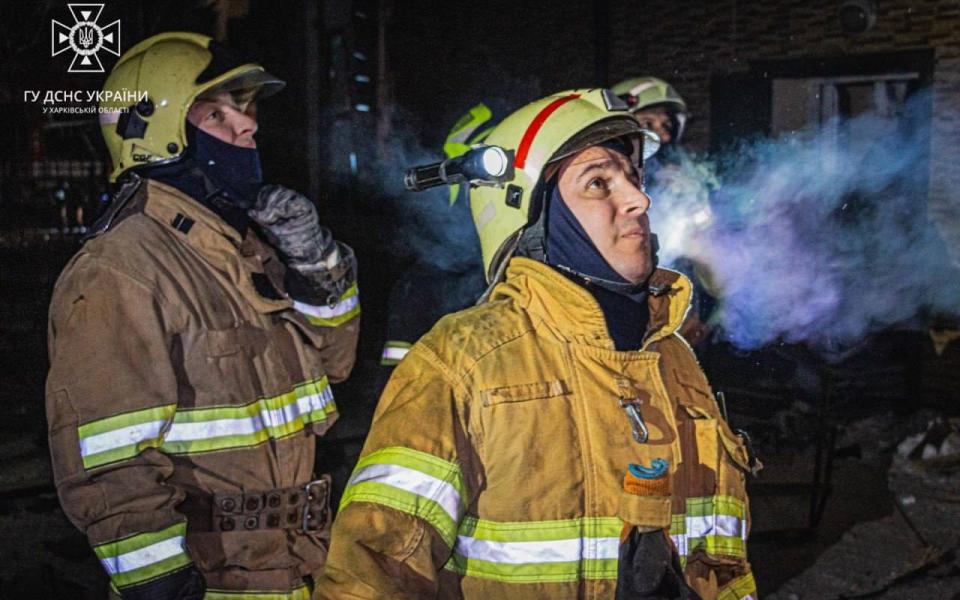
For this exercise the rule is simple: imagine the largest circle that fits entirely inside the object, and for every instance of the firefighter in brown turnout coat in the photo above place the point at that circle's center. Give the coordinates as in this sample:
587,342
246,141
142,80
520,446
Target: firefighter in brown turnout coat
193,340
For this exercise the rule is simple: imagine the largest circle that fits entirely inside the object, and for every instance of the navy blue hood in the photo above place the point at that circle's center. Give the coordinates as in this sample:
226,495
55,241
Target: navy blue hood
223,177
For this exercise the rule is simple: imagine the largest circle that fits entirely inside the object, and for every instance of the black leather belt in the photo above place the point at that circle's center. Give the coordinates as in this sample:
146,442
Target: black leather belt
304,508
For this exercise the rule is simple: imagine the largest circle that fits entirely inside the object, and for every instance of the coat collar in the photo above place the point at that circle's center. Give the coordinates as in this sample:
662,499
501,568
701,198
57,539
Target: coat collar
574,313
165,202
245,261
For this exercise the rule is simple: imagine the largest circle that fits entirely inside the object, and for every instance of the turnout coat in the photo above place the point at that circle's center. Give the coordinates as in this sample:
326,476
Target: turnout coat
180,369
495,462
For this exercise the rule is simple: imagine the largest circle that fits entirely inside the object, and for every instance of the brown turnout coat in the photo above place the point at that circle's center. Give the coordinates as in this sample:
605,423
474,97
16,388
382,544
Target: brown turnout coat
180,369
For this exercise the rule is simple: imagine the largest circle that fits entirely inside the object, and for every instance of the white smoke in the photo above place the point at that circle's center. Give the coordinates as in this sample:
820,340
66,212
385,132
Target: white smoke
820,237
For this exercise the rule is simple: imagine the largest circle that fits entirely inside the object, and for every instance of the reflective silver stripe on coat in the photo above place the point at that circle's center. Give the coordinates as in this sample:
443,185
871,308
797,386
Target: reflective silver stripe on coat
144,557
326,312
394,353
267,418
569,550
414,482
118,438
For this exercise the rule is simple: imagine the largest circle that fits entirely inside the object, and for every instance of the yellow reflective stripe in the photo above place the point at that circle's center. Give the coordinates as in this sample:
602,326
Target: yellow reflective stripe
124,436
454,193
228,427
456,142
741,588
552,572
716,505
531,551
528,531
393,352
139,558
411,481
345,309
713,524
301,593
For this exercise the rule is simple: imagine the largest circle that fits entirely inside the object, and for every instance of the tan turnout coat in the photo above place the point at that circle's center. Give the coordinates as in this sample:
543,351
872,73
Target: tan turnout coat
180,369
495,462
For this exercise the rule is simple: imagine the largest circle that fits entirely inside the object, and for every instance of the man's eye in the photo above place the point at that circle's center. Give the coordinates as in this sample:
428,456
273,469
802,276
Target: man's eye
597,183
215,115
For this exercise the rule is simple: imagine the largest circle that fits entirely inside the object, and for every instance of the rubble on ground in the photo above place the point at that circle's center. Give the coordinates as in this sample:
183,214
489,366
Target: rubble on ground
912,553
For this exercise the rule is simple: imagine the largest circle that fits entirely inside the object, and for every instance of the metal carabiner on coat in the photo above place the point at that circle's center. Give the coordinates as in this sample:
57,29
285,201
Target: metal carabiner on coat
640,432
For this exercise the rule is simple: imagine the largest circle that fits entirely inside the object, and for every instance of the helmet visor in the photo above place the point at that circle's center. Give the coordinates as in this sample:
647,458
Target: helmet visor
645,142
251,84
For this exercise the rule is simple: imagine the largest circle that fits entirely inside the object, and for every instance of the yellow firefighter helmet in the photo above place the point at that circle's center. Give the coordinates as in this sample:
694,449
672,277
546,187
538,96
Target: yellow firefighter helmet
648,92
171,70
538,134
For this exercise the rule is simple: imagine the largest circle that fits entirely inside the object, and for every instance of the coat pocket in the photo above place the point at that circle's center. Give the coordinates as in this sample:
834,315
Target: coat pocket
63,435
718,449
524,391
649,512
526,430
715,505
223,367
307,343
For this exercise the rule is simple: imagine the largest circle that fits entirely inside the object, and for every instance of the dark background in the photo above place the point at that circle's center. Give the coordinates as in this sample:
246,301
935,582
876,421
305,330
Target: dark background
427,62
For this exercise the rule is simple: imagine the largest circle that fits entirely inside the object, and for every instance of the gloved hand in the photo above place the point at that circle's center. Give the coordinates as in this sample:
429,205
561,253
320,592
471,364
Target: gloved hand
649,565
290,223
649,568
185,584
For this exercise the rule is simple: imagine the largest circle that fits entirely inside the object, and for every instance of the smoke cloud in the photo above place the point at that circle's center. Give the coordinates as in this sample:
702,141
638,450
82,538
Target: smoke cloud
819,237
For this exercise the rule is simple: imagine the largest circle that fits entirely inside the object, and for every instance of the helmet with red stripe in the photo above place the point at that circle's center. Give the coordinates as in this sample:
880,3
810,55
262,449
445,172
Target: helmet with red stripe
541,133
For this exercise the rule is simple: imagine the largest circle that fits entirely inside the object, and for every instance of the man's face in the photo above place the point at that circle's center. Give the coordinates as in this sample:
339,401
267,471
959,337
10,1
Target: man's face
602,189
227,117
657,120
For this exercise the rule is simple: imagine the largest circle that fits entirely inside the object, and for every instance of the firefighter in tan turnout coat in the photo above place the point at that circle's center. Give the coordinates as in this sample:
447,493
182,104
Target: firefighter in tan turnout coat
191,360
496,460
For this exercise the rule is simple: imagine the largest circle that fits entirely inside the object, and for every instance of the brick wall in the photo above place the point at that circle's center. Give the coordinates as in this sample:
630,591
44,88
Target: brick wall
688,43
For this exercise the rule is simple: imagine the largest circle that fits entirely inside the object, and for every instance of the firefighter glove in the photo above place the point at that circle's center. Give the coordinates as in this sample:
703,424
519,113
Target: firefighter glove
324,268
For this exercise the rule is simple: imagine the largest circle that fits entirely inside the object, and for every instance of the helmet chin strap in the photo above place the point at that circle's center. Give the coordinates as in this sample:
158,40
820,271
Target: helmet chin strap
617,287
186,175
234,170
532,243
529,243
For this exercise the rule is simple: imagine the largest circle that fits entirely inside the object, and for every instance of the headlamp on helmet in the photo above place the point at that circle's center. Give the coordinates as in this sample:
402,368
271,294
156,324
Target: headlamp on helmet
533,138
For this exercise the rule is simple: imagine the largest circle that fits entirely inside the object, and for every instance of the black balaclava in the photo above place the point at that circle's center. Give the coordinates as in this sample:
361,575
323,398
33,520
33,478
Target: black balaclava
223,177
571,251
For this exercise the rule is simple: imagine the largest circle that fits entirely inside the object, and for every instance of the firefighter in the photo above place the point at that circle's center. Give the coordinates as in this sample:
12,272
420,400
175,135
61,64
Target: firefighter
191,360
657,106
496,462
437,285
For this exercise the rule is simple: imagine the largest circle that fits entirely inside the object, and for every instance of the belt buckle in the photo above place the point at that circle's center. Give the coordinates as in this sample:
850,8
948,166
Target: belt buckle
317,495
